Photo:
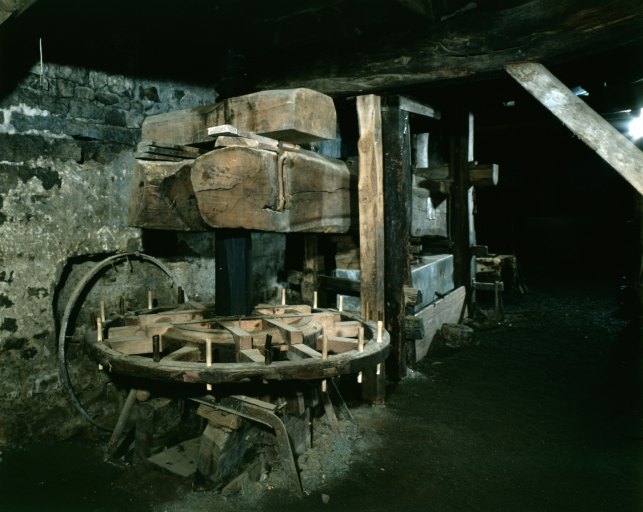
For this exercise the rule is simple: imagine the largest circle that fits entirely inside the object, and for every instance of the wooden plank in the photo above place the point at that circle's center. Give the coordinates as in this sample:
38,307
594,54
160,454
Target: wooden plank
251,355
186,353
338,344
398,182
180,459
480,175
134,345
613,147
415,107
225,140
371,205
255,402
290,333
347,329
304,351
220,418
446,310
242,339
292,115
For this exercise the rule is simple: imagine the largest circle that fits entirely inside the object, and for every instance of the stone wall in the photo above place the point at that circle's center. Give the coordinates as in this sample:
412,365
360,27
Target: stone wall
67,139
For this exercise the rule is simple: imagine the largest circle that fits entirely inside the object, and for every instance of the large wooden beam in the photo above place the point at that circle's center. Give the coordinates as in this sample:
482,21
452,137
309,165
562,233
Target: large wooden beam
460,125
590,127
292,115
475,42
398,184
371,206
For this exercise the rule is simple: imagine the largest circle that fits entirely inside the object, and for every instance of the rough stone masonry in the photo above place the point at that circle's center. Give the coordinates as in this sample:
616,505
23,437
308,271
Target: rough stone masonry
67,140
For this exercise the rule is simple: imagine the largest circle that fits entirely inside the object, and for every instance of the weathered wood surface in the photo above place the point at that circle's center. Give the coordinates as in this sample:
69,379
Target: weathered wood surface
427,218
478,41
398,184
292,115
446,310
309,367
371,205
161,197
480,175
239,187
590,127
150,150
460,127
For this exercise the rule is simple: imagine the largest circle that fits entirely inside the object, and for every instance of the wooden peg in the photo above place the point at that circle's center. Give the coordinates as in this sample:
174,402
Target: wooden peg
268,350
208,358
121,306
283,296
380,326
102,311
150,301
360,348
324,384
315,300
341,303
99,330
156,348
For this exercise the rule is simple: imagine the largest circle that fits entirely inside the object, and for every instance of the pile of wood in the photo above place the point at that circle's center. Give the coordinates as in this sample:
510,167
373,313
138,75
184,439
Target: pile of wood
239,164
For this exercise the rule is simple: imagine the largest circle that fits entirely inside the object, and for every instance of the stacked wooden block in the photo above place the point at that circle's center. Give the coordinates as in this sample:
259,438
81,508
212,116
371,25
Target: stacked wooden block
239,164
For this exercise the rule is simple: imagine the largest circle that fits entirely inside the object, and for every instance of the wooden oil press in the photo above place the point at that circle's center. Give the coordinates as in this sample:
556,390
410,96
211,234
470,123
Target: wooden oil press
238,164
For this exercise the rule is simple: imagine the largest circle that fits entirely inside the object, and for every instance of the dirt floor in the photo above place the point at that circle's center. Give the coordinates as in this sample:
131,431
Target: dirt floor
544,413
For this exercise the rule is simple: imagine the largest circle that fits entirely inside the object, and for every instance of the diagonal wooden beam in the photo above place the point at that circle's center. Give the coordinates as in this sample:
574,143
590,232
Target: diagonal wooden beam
9,8
590,127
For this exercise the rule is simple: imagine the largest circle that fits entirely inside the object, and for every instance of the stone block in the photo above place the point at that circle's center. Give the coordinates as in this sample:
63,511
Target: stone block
121,135
66,89
85,93
107,98
46,383
20,147
51,123
115,117
86,110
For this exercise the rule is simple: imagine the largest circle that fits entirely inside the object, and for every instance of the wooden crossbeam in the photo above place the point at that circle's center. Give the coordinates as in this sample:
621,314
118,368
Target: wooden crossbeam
580,118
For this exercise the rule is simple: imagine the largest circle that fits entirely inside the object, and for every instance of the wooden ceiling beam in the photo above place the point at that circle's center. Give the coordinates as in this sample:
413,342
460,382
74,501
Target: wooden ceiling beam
473,43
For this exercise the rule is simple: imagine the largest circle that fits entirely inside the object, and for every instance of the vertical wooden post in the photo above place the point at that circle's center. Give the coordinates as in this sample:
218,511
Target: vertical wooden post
460,125
371,226
371,206
398,182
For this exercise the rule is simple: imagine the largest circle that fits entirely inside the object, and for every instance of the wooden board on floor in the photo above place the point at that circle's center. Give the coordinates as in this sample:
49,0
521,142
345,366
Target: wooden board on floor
445,310
180,459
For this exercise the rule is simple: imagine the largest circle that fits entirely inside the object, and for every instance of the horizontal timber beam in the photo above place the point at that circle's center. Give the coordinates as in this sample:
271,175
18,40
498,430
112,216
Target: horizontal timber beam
474,43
